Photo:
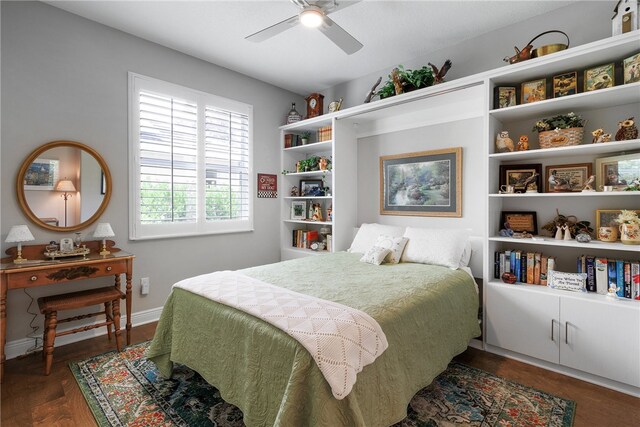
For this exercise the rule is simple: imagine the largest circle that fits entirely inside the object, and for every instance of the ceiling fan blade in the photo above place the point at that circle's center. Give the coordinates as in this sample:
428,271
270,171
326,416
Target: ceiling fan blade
273,30
339,36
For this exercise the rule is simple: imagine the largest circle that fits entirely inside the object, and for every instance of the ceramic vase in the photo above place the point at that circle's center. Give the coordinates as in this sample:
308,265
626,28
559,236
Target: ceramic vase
630,234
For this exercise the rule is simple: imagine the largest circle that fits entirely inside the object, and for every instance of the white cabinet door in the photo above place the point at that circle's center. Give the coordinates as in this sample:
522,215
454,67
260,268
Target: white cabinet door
602,338
523,321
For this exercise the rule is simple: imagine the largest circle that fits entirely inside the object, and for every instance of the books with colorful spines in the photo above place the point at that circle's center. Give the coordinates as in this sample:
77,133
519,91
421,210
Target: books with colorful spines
518,270
512,261
544,262
502,263
627,279
620,277
288,138
530,267
496,265
523,267
601,275
537,258
312,236
635,280
612,282
507,261
591,274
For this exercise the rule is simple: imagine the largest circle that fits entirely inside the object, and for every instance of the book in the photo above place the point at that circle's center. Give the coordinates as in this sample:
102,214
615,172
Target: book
635,280
611,274
627,279
502,262
620,277
523,267
496,265
544,263
601,275
530,266
517,272
591,274
537,257
507,261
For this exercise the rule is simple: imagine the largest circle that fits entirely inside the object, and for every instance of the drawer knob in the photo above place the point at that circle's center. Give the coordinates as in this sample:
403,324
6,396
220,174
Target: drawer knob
109,268
34,278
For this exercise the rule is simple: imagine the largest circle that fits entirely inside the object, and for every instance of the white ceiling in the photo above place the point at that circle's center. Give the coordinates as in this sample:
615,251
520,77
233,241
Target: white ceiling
300,59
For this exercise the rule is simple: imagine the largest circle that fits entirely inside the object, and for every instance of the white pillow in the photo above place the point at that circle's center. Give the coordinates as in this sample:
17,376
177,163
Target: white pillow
394,244
466,254
368,234
435,246
375,255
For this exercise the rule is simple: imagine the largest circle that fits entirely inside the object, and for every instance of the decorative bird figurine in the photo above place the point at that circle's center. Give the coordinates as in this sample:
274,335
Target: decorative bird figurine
523,143
372,91
600,136
587,185
438,75
531,183
627,130
504,144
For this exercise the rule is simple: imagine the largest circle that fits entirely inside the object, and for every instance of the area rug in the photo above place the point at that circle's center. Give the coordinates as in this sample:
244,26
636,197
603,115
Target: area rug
126,389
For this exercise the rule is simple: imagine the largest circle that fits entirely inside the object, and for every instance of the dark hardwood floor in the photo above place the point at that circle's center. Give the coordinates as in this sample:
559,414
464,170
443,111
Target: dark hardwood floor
31,399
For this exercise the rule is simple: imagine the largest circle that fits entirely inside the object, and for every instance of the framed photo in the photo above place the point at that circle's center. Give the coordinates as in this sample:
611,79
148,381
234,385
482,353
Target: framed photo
267,185
66,244
599,77
42,174
617,171
607,217
506,97
299,209
533,91
565,84
573,177
520,221
426,183
311,187
632,69
517,175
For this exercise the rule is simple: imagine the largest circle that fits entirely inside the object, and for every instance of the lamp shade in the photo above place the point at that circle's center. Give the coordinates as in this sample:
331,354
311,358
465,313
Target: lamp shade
103,230
19,233
66,186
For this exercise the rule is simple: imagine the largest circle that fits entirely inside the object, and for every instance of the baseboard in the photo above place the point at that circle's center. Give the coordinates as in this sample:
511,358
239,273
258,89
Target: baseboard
19,347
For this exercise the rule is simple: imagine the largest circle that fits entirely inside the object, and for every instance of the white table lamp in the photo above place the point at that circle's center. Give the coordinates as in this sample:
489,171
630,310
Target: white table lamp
19,234
66,186
104,230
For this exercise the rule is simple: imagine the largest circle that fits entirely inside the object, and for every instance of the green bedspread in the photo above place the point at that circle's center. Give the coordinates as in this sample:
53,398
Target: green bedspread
428,314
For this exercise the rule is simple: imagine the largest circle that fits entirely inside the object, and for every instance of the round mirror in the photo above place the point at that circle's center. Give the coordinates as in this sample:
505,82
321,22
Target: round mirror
63,186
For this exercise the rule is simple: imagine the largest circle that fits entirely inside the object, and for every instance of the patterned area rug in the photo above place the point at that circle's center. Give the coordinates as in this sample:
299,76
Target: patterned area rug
126,390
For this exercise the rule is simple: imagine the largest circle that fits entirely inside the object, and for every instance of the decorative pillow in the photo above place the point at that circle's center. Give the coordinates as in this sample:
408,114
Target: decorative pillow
394,244
375,255
466,254
368,234
435,246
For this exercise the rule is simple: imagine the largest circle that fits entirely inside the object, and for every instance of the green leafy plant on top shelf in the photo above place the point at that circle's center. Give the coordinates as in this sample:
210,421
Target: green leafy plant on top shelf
561,121
310,164
410,79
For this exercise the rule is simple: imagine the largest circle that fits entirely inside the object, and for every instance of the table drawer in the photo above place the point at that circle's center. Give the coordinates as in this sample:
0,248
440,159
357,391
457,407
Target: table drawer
64,274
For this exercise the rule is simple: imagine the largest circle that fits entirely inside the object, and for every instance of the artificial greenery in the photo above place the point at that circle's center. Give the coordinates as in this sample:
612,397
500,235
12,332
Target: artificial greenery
561,121
309,164
305,135
387,90
411,79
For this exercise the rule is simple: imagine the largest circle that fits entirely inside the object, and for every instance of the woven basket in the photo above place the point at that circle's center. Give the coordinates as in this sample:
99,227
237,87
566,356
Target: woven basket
560,137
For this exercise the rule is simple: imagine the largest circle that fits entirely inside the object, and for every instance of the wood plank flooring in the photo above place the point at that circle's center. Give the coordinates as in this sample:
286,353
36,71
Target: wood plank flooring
31,399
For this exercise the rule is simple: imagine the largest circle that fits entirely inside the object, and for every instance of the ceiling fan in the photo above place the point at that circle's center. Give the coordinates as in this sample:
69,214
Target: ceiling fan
314,15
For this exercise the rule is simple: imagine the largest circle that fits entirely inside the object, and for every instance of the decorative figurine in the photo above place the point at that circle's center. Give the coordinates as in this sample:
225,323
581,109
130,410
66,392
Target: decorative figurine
504,144
317,212
397,81
567,232
372,91
531,183
439,74
559,233
323,163
507,231
587,185
612,292
583,237
294,191
627,130
335,106
523,143
509,278
330,213
599,136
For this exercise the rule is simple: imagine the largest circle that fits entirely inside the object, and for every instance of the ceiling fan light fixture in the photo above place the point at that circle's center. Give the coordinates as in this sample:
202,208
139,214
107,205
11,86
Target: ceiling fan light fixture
311,17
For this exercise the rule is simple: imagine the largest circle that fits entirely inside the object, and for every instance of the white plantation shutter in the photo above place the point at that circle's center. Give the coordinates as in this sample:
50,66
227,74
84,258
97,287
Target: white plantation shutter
190,164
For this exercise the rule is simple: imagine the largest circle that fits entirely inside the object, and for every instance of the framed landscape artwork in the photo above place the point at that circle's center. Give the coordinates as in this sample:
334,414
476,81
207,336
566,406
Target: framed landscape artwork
600,77
565,84
426,183
607,217
632,69
42,174
517,175
533,91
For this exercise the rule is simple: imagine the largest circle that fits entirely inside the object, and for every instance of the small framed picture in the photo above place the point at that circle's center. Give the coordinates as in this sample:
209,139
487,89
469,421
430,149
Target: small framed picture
632,69
42,174
565,84
506,97
533,91
311,187
561,178
66,244
517,175
599,77
617,172
607,217
298,209
520,221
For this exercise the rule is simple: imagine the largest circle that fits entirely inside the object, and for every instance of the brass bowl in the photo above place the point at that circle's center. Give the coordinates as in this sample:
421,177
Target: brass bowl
547,49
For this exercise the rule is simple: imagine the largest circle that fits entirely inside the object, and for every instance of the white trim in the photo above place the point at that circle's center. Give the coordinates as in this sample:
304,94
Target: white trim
19,347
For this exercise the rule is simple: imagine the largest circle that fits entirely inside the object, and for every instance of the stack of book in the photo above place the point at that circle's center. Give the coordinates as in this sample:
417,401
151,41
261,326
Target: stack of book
603,273
324,134
292,140
304,238
528,267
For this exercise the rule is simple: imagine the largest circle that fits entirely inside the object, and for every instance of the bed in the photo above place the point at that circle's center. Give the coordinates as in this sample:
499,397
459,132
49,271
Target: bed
427,312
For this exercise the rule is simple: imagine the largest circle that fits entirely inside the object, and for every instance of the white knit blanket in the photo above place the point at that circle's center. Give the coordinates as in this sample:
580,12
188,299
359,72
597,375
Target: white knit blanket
341,339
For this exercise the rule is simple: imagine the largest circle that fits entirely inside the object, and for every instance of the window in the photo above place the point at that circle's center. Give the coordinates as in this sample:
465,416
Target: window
190,161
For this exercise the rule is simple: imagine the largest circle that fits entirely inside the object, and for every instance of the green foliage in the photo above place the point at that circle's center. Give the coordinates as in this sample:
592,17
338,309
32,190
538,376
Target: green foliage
387,90
305,135
561,121
411,79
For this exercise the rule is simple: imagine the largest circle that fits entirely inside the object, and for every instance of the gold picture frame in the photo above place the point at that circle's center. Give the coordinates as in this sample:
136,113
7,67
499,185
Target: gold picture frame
606,217
617,171
600,77
569,178
425,183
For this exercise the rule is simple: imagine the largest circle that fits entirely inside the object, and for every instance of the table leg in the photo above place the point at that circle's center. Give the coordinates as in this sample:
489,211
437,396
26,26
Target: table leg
128,294
3,322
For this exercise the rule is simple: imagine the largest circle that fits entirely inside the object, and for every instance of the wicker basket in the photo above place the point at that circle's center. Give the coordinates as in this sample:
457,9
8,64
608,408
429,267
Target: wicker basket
560,137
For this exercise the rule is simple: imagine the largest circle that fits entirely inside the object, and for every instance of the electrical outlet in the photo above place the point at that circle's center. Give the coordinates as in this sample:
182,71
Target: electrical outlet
144,286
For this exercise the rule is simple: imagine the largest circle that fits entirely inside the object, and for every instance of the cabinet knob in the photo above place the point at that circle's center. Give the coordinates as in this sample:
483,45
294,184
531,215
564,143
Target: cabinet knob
34,278
109,268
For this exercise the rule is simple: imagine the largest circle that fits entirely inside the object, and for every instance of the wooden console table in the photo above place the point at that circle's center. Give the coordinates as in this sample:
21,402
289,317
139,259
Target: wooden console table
41,272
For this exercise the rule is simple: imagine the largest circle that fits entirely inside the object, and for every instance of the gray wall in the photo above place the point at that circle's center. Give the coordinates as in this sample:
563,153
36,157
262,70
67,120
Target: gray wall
584,22
65,77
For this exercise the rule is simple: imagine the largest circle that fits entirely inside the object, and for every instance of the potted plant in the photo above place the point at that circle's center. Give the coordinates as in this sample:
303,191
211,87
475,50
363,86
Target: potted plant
629,227
560,131
304,136
411,80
